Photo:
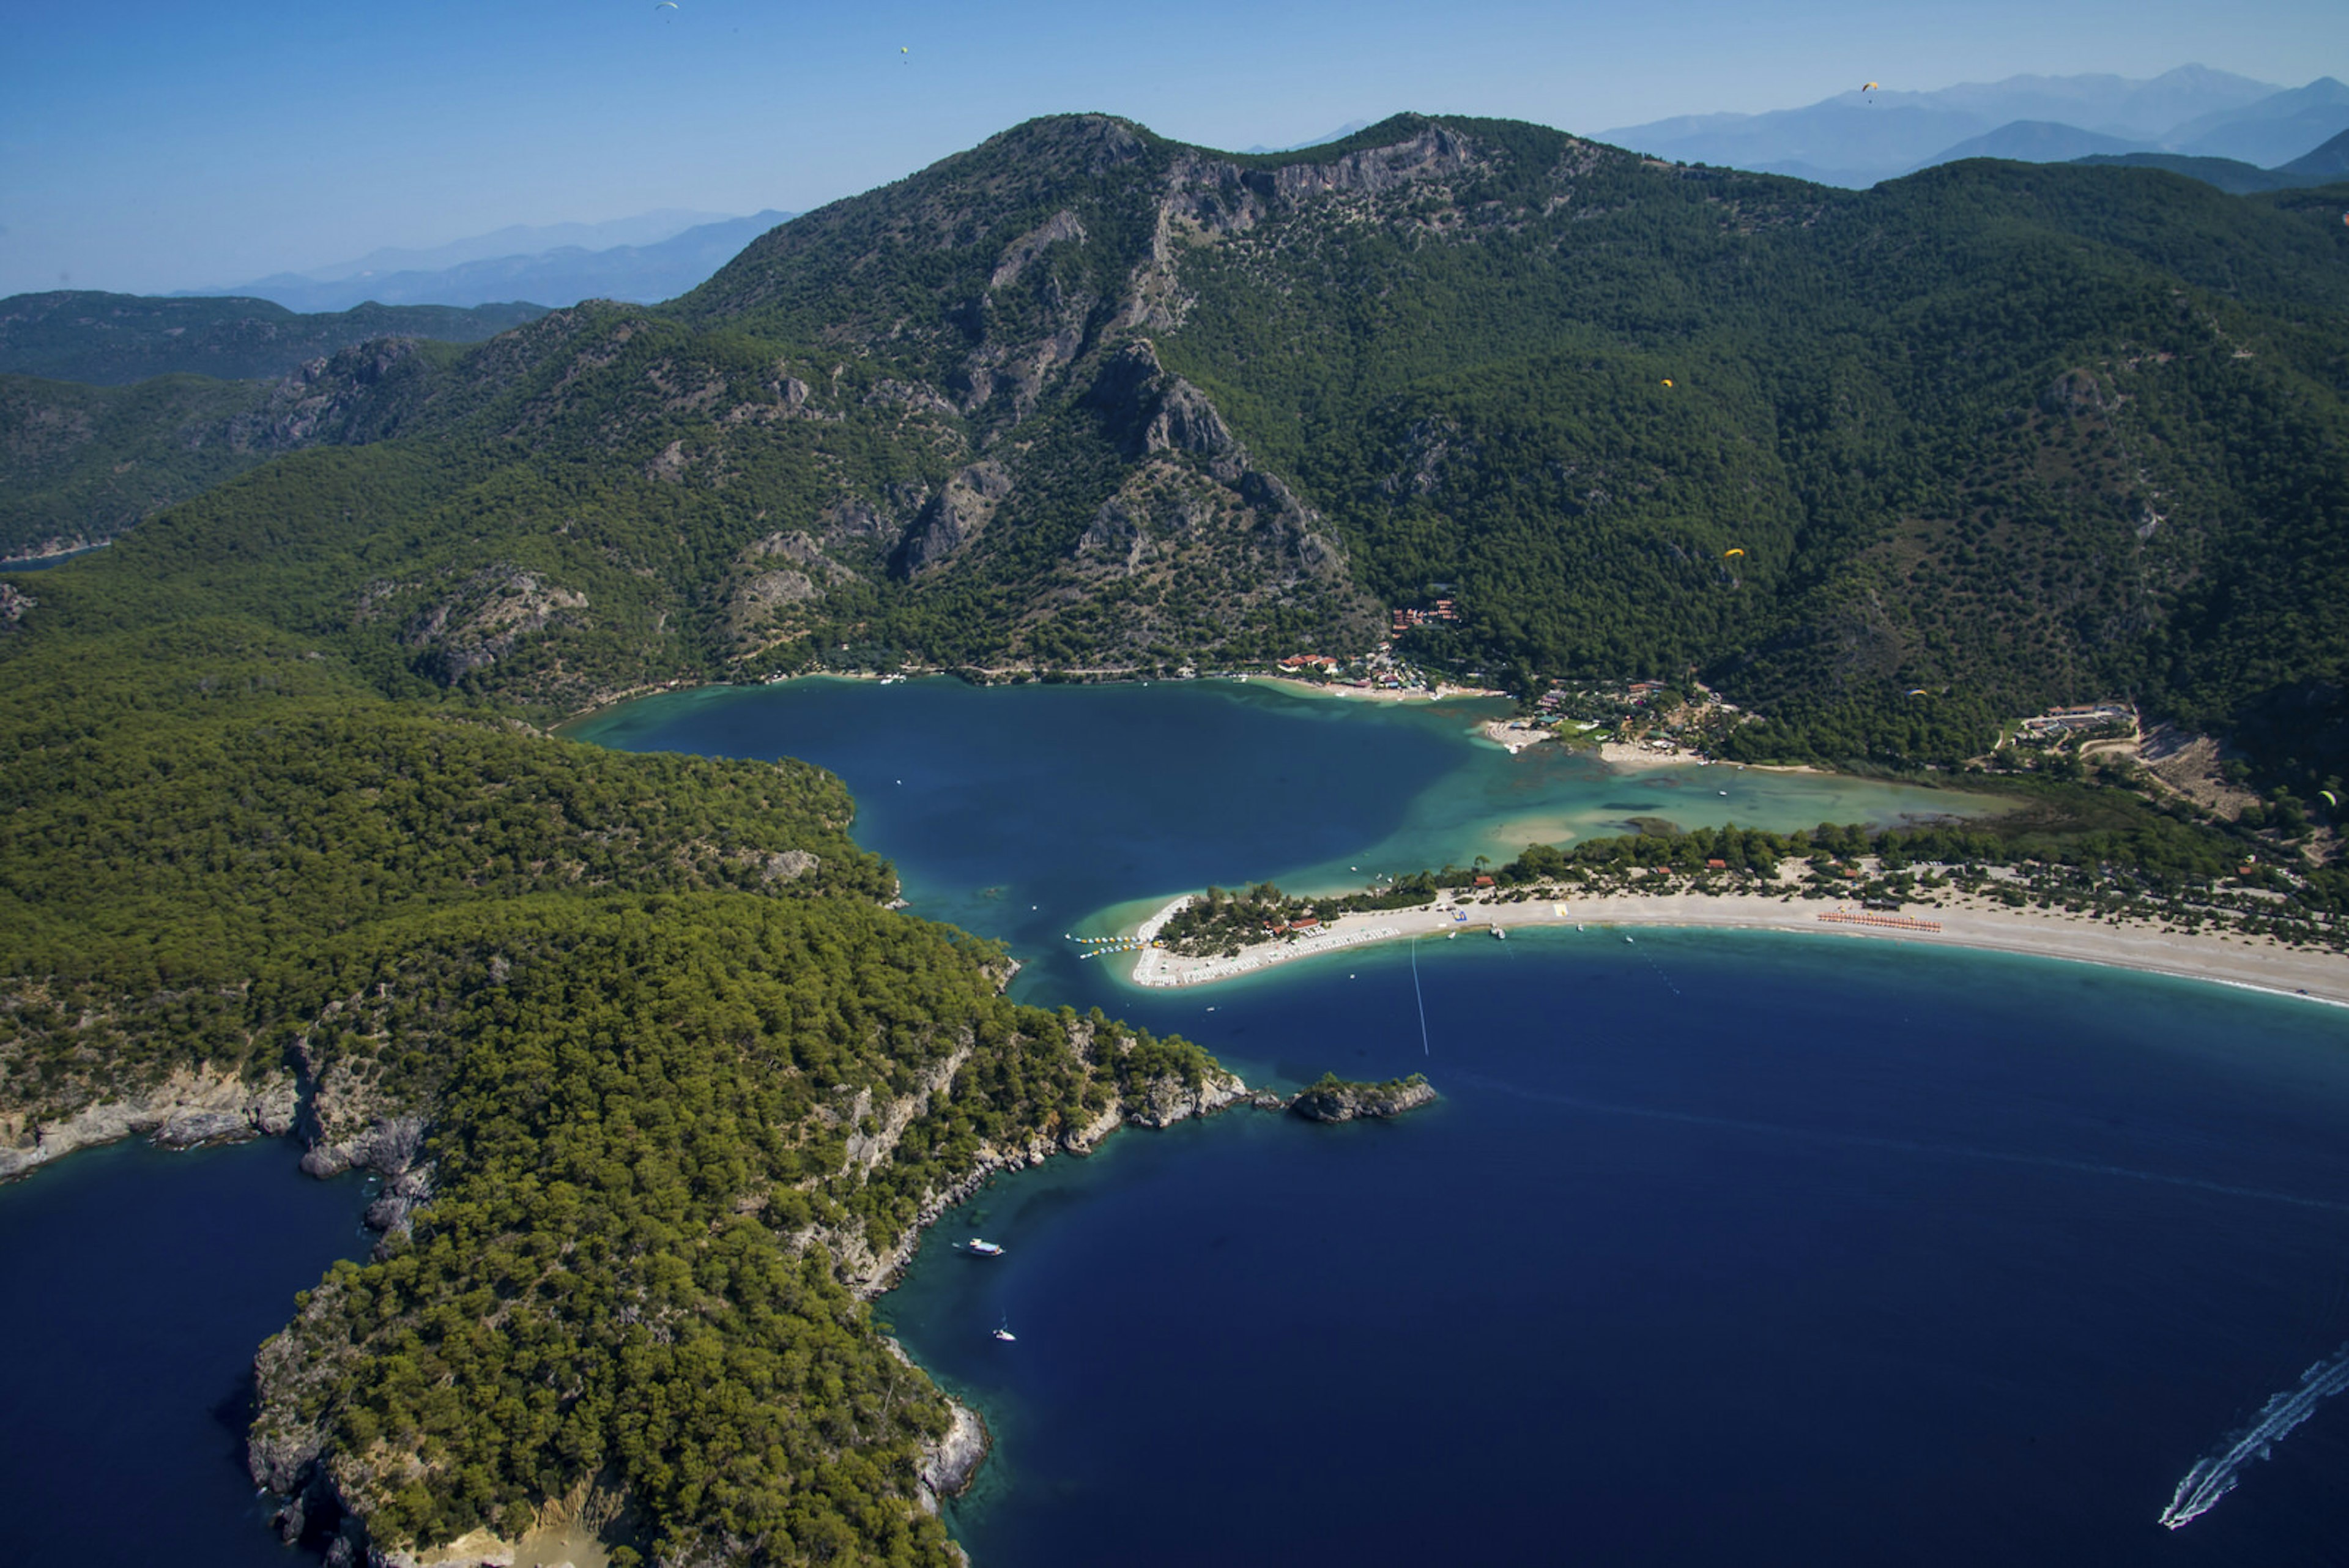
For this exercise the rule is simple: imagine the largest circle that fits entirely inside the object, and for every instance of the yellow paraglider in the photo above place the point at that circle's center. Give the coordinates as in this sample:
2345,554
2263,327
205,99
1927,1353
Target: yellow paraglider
1667,380
1869,87
1733,550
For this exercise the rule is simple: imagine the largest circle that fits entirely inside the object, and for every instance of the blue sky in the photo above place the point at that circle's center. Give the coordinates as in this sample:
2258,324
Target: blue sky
146,147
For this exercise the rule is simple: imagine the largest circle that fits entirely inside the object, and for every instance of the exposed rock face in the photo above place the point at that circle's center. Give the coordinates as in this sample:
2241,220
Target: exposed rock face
787,569
788,865
402,1196
1436,154
387,1147
955,1458
483,620
13,603
187,1109
340,397
1162,1102
1061,226
1187,421
952,519
1335,1100
2080,392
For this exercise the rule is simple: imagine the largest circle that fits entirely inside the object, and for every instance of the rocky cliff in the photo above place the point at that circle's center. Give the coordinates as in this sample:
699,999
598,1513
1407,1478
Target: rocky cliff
1333,1100
192,1107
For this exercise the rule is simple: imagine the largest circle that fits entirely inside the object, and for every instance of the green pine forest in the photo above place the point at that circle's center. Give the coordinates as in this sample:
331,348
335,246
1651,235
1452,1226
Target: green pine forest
281,797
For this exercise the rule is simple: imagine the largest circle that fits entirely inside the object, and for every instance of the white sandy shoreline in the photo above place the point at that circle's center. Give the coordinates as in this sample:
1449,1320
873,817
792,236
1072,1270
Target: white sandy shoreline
2256,963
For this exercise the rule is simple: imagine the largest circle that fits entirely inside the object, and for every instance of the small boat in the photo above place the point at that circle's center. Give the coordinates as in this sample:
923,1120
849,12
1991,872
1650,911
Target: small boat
1500,934
1004,1334
986,1248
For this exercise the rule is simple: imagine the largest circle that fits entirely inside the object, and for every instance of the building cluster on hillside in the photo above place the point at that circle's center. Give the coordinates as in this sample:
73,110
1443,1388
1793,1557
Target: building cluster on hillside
1444,611
2080,718
1380,670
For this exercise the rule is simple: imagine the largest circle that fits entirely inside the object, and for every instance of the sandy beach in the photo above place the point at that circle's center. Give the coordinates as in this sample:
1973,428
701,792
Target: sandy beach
1370,694
2260,964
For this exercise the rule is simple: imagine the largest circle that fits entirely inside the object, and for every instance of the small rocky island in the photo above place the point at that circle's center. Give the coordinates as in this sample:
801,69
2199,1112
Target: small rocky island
1334,1099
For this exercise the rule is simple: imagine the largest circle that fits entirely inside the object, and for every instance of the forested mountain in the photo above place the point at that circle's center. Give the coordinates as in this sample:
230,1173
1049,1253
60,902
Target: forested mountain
113,406
1083,397
2329,161
80,463
2229,174
114,339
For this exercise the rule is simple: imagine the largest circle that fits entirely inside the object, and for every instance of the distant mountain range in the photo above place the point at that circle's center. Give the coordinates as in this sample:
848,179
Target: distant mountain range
114,339
1857,139
2328,163
518,240
555,266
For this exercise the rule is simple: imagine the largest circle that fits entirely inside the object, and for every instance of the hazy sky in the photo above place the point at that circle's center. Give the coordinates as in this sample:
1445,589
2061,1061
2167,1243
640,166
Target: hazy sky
150,146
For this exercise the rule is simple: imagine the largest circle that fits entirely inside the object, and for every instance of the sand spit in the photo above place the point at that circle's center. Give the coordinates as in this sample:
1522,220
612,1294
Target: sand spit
2260,963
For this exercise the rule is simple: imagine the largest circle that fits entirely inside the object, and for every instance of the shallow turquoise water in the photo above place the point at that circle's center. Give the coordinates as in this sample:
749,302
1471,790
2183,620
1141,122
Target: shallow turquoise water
1027,813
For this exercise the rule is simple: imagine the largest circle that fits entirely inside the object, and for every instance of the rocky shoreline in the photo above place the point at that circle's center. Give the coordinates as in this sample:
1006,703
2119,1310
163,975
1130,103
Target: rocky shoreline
1333,1100
187,1110
346,1123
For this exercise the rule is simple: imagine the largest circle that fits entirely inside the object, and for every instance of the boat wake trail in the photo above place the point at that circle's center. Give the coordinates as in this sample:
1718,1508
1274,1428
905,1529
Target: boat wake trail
2214,1477
1419,997
1909,1146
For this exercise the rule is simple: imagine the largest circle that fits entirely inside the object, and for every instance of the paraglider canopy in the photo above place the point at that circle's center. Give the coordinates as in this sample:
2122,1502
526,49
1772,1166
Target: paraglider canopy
2330,799
1667,380
1733,550
1869,87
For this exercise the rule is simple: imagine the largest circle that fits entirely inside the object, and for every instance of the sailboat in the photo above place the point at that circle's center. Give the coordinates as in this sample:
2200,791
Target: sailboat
1005,1333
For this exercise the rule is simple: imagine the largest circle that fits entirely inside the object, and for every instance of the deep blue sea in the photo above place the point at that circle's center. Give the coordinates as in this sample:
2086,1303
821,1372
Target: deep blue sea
135,1286
1719,1248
